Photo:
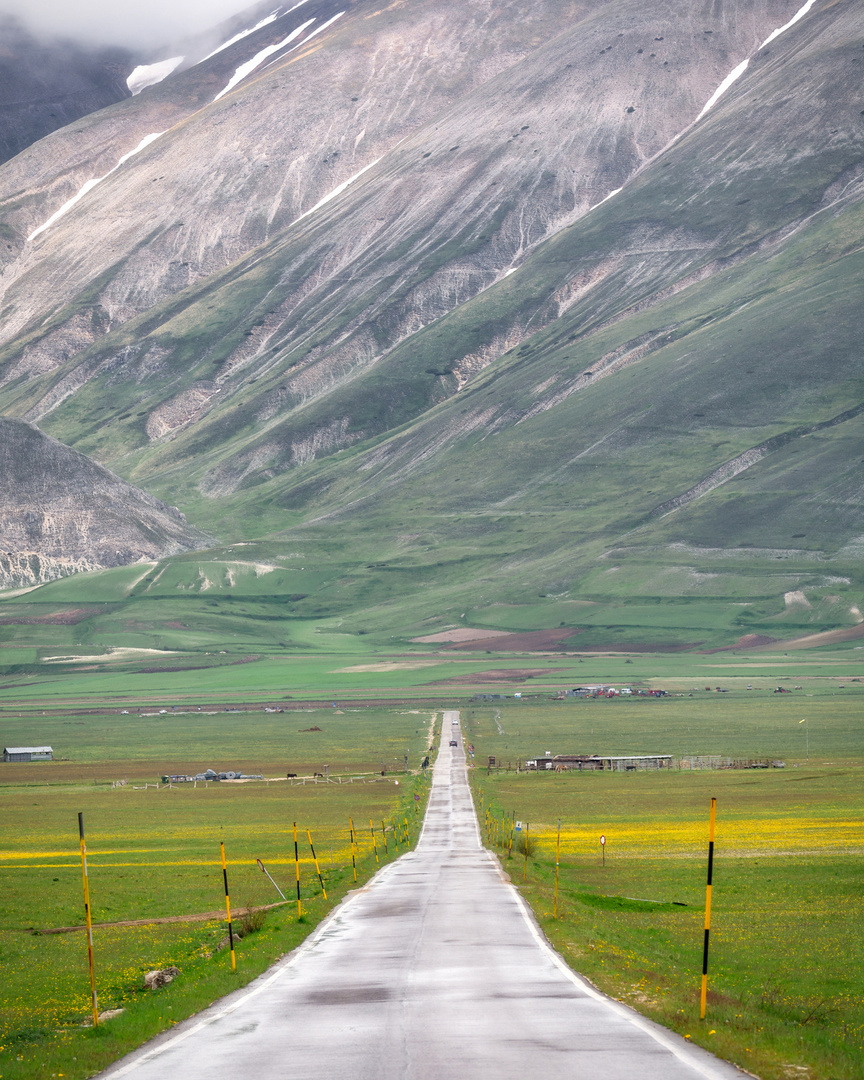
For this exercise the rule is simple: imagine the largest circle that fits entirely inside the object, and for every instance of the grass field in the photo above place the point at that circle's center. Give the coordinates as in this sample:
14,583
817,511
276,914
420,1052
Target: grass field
111,745
786,983
154,853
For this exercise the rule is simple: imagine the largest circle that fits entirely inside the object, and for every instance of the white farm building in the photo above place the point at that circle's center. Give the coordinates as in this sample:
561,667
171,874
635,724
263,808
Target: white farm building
28,753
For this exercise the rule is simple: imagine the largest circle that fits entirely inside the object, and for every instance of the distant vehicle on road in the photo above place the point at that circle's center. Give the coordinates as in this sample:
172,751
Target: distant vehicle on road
453,742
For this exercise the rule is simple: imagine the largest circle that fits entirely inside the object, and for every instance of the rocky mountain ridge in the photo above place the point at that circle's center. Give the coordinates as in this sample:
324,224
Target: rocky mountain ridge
626,79
61,513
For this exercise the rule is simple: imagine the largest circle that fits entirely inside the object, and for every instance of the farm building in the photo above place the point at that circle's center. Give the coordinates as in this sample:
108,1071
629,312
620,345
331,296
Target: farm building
596,762
28,753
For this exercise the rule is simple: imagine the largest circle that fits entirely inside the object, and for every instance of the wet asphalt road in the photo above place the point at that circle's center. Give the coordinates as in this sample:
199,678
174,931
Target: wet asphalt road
434,971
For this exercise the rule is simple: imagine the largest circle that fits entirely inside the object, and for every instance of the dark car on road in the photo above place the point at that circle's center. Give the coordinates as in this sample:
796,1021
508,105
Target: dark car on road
453,742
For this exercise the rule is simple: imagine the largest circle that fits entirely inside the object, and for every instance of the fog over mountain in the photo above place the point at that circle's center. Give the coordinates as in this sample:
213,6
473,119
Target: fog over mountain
136,26
59,62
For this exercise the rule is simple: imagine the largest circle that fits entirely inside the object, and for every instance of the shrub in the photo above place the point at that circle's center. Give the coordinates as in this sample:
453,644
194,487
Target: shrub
250,922
525,844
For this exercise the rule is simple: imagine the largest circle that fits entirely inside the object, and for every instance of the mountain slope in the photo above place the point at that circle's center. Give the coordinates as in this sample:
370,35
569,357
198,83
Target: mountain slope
440,217
687,422
241,168
455,384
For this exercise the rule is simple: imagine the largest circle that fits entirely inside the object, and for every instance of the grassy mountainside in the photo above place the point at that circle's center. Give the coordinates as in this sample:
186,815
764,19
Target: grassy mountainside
463,399
685,422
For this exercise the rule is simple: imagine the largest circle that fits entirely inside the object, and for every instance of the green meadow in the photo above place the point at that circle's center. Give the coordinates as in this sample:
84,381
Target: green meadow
787,927
146,744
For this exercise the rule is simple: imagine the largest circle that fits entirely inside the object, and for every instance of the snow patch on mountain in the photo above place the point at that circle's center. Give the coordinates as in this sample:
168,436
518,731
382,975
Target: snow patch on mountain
799,14
605,198
316,31
149,74
90,184
245,33
733,75
259,59
336,191
737,72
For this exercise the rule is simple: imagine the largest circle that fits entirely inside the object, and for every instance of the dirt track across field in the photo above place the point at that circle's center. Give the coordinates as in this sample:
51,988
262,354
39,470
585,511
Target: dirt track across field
531,641
502,675
201,916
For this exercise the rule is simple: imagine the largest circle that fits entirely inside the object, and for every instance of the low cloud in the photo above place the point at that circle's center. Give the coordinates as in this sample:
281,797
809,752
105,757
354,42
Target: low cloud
141,24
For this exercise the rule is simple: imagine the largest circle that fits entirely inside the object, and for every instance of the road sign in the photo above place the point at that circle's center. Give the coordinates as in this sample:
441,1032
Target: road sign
603,840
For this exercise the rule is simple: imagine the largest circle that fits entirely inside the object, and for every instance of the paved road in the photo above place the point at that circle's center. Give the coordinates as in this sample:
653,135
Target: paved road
434,971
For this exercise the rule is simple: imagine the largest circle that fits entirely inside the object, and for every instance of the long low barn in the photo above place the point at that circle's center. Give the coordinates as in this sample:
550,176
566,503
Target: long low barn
28,753
588,762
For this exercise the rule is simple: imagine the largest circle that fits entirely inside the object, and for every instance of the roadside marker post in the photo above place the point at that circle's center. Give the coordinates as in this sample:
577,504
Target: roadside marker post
228,906
557,864
317,867
264,870
353,847
89,920
704,995
374,842
384,835
297,870
603,848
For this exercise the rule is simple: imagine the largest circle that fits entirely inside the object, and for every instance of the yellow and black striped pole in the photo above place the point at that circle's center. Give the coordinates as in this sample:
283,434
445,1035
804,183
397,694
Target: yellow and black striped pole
317,867
374,842
88,919
557,862
297,869
384,836
228,906
704,996
353,855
